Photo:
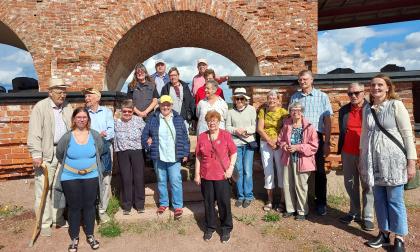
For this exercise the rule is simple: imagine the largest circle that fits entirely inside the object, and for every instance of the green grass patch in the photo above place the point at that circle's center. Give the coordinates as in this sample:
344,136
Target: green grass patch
10,211
336,201
248,220
110,229
113,206
155,226
271,217
278,230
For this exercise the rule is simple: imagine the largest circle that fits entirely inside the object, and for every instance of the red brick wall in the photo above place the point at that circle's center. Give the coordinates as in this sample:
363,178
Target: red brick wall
74,40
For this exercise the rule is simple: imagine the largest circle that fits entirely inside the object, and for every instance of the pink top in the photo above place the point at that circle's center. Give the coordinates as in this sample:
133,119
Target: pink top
306,149
210,167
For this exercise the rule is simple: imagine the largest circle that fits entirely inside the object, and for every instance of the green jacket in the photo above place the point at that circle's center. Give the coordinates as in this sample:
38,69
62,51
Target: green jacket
42,126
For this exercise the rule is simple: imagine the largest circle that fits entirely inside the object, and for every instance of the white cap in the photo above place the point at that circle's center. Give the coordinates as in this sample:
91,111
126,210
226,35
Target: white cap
159,61
202,61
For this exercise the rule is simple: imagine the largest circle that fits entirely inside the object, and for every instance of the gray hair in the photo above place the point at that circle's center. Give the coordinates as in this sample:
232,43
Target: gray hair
273,92
127,104
357,84
213,84
295,105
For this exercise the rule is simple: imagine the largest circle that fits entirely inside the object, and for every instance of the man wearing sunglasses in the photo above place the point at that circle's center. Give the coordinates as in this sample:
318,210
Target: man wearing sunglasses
350,126
103,122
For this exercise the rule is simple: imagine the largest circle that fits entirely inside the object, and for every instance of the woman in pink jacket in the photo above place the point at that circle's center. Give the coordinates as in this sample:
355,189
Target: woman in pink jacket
299,141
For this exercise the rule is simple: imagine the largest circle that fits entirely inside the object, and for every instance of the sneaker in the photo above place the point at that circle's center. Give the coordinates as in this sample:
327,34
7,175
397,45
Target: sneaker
246,203
126,212
381,240
267,207
225,237
239,203
161,209
399,245
178,213
287,215
321,210
141,210
300,217
46,232
208,235
368,225
347,219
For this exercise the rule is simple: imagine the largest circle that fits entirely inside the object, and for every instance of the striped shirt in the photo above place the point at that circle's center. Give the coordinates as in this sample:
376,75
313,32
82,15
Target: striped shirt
317,105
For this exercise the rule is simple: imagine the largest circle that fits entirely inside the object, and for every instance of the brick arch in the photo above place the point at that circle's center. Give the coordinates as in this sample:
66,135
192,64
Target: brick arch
177,29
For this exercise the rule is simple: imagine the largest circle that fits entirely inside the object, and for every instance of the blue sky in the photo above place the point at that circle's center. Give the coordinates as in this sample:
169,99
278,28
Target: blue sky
364,49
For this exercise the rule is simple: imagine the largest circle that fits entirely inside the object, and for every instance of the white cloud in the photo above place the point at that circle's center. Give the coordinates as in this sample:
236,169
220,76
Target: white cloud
19,57
6,76
344,48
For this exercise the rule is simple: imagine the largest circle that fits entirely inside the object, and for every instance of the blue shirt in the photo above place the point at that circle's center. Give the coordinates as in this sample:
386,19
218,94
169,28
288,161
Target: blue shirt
167,139
102,120
317,106
80,156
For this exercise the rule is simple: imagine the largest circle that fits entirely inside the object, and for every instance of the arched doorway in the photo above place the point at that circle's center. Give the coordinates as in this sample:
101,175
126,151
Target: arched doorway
172,30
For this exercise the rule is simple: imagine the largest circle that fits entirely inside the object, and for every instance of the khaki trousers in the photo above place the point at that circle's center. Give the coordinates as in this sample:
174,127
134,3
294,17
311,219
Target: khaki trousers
51,215
295,189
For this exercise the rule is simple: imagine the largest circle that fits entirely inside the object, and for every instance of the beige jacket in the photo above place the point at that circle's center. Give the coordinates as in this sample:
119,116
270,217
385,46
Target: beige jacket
42,127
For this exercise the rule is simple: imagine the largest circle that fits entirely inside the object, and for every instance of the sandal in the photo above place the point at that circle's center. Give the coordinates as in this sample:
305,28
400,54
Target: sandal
94,244
161,209
178,213
73,245
267,207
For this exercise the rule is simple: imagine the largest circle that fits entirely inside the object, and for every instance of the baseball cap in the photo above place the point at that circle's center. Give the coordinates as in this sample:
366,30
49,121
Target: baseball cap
166,98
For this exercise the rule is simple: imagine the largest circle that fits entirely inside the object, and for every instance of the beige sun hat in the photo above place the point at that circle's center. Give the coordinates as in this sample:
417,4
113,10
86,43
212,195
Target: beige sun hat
56,83
240,92
91,91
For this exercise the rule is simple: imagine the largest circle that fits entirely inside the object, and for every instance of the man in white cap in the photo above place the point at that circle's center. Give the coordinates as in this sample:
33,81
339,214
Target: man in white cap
50,119
199,80
103,122
160,76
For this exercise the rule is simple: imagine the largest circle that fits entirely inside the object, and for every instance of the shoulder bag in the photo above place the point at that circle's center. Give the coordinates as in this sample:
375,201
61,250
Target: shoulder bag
235,175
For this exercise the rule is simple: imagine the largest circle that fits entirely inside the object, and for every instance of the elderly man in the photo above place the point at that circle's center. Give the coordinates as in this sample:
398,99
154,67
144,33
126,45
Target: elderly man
350,126
199,80
103,122
318,111
160,77
50,119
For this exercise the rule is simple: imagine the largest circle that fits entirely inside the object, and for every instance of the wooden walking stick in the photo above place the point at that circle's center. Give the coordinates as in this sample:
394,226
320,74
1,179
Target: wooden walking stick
40,210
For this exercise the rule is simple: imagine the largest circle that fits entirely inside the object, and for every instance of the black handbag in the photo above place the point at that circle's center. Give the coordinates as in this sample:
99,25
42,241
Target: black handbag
414,182
252,145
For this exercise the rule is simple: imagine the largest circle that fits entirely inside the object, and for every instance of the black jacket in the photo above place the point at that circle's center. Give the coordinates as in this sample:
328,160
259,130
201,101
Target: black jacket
188,102
343,116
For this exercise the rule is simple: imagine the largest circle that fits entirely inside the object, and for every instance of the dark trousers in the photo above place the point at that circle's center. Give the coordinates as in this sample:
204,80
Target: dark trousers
320,175
217,190
81,197
131,163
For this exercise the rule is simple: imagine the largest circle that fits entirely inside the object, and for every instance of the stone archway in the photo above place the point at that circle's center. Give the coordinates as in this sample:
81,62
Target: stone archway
177,29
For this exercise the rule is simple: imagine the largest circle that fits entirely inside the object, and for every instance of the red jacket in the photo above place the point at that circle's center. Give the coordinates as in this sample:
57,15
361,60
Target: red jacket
306,149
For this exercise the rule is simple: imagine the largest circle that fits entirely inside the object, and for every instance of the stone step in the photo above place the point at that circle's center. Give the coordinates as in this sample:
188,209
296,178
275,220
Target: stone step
190,209
191,193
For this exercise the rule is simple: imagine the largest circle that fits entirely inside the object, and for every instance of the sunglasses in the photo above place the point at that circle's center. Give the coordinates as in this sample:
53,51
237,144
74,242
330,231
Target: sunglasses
240,99
350,94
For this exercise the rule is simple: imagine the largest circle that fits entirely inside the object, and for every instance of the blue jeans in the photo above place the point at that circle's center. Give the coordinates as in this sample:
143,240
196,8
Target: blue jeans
244,168
390,209
172,171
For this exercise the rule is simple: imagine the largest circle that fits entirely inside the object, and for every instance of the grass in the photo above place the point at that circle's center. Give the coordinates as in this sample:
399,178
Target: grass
271,217
337,201
248,220
10,211
278,230
113,206
110,229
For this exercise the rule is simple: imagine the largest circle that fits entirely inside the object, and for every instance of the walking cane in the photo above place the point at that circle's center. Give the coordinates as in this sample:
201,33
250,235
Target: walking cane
40,210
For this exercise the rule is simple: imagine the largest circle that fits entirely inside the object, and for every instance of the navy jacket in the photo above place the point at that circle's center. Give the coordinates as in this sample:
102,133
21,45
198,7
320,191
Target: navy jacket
182,144
343,117
188,101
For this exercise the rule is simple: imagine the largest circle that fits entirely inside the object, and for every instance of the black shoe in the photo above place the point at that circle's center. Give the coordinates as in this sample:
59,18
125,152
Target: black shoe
239,203
246,203
208,235
141,210
225,237
300,217
94,244
381,240
321,210
287,215
347,219
126,212
399,245
368,225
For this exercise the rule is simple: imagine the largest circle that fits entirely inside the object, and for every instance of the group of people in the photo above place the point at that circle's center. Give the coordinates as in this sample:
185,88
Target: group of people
77,148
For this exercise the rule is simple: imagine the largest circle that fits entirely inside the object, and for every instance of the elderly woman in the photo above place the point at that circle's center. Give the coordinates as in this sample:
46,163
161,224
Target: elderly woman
127,144
299,142
142,89
79,150
211,102
388,157
241,123
216,157
166,137
269,124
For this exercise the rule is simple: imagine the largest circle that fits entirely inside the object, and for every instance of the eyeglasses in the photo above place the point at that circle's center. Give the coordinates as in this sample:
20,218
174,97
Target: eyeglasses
127,111
240,99
350,94
296,110
213,121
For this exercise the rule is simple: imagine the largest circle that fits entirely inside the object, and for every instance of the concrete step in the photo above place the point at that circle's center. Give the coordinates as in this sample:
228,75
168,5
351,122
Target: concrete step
190,209
191,193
